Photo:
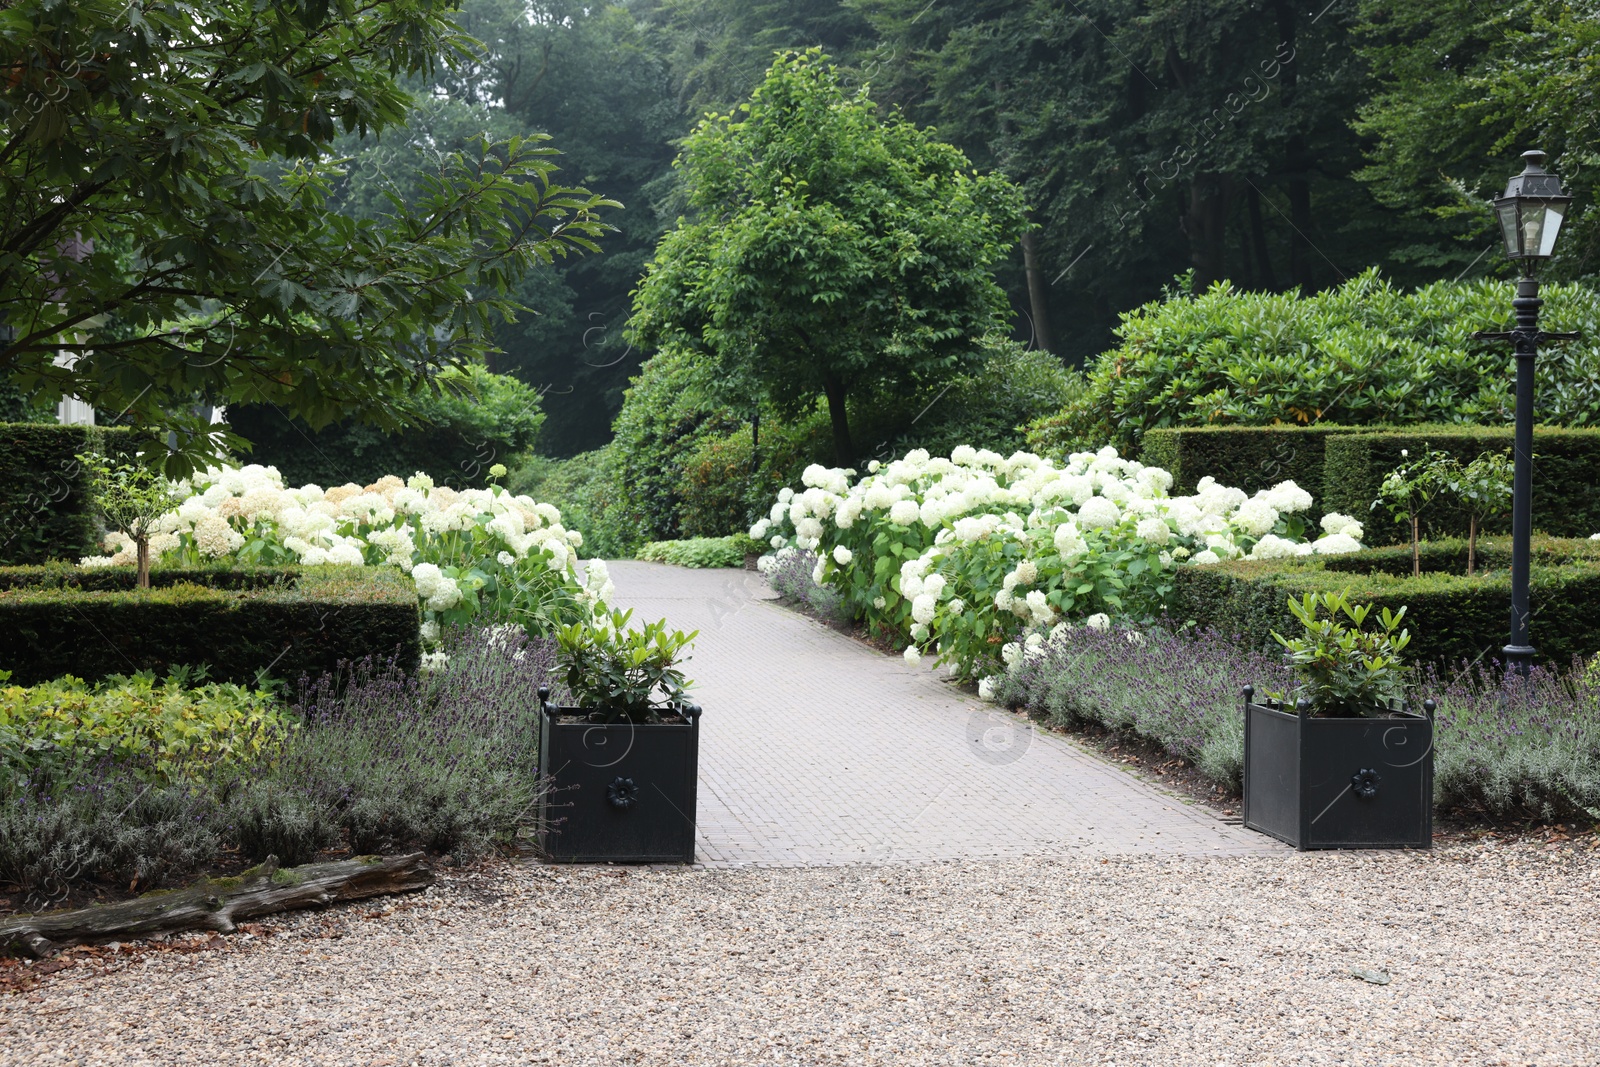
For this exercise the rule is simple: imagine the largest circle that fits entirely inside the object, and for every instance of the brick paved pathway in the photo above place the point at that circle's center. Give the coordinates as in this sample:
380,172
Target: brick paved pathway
817,750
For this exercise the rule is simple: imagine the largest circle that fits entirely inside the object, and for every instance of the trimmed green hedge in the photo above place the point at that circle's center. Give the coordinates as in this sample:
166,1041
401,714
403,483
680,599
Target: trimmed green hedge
1451,617
282,620
1343,466
1566,473
46,511
1246,457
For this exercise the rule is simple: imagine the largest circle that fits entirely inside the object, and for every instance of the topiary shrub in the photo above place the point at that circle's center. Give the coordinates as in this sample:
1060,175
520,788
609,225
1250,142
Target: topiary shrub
1451,617
283,621
1249,457
1564,476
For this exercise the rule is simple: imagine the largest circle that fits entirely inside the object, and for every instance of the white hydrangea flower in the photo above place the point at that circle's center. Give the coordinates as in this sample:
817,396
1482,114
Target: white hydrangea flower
923,608
904,513
1335,545
956,606
919,631
1256,518
879,603
1098,621
1097,513
1287,498
1334,522
1206,558
1274,547
842,555
912,656
1153,530
986,689
933,585
1009,652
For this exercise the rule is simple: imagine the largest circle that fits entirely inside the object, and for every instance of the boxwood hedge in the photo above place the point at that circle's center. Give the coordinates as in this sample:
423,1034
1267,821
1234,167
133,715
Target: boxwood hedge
1451,617
283,621
46,511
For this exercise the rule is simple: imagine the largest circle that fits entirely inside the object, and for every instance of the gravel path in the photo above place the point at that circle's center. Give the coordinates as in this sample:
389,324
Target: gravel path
1493,952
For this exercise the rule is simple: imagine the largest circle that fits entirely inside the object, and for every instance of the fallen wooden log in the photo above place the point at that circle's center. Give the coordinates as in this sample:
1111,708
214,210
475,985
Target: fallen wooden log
217,903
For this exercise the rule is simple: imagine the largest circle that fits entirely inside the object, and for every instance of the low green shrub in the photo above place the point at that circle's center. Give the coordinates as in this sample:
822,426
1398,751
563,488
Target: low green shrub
281,621
729,551
1451,617
47,509
129,719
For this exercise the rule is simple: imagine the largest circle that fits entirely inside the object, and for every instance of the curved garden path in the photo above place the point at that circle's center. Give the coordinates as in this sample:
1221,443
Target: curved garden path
816,750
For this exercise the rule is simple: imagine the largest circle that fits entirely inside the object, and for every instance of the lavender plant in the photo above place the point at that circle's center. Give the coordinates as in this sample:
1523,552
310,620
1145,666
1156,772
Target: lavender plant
380,760
1513,747
1178,690
791,573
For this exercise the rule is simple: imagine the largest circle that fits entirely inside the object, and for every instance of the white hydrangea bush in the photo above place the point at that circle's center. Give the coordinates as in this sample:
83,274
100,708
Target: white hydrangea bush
471,552
960,556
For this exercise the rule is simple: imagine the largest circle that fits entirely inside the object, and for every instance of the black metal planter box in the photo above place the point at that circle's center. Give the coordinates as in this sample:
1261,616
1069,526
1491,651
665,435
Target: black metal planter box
1338,782
617,792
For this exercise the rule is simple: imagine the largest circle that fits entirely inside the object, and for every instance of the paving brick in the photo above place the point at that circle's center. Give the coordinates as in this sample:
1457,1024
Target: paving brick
817,750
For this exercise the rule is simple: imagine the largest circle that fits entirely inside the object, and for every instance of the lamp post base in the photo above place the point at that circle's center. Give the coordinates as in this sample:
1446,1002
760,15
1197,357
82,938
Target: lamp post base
1519,657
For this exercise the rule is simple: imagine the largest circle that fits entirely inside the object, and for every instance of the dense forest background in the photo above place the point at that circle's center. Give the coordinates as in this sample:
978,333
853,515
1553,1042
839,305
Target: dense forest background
1276,145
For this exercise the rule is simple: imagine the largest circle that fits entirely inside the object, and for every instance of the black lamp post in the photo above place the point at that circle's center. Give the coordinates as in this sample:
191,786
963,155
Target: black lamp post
1530,215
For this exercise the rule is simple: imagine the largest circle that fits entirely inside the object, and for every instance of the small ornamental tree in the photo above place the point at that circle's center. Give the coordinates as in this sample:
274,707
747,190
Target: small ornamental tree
1408,491
131,498
829,250
1483,489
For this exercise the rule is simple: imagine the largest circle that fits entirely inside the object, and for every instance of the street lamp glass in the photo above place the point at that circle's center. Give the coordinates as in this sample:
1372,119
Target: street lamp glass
1531,211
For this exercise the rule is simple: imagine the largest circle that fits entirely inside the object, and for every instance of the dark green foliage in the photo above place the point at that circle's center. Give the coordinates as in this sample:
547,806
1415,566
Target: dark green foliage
46,511
178,235
279,621
477,419
1245,457
1451,617
1364,353
987,408
1566,471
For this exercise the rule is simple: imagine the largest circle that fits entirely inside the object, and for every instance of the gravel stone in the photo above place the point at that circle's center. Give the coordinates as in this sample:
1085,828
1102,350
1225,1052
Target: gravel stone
1492,951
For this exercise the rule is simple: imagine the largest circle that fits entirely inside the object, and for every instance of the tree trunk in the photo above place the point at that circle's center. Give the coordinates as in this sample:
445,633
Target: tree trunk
217,903
1296,160
843,450
1207,227
1472,545
142,541
1258,240
1043,336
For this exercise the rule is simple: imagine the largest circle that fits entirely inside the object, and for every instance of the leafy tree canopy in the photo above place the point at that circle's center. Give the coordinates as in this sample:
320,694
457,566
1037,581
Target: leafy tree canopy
147,233
828,249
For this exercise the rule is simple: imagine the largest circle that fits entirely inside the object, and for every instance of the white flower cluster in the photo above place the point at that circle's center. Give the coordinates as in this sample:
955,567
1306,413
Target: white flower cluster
411,524
957,509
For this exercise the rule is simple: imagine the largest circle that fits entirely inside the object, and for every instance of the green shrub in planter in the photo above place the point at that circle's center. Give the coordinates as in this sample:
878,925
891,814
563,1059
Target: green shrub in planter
283,621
